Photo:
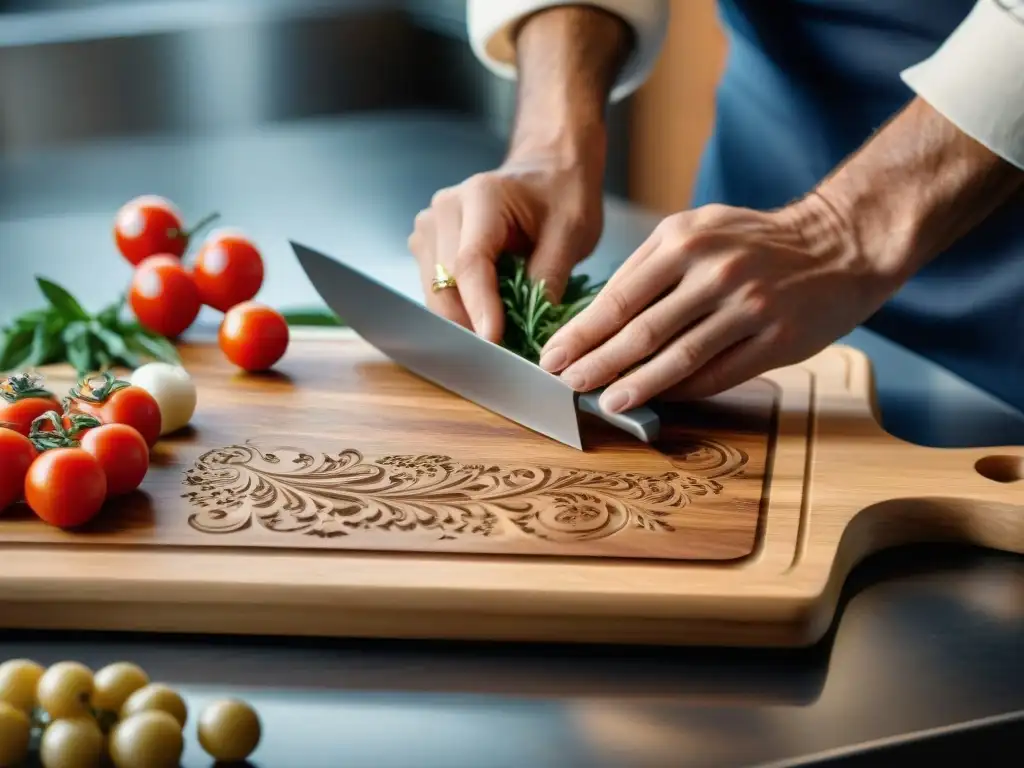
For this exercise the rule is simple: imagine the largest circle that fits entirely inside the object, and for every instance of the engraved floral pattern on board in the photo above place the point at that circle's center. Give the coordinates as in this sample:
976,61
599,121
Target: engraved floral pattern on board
332,495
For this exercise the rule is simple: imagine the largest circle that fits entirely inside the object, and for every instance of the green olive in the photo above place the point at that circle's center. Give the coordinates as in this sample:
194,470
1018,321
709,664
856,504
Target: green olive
18,681
15,731
156,697
229,730
148,739
74,743
64,690
113,684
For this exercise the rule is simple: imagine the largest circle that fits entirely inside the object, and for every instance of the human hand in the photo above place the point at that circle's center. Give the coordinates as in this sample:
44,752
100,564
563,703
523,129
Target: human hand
545,208
715,297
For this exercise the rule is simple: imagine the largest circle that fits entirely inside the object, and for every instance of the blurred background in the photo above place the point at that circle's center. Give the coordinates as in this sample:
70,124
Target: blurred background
329,122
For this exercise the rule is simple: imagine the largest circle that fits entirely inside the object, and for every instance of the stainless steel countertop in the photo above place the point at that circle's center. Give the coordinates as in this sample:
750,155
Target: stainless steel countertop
928,636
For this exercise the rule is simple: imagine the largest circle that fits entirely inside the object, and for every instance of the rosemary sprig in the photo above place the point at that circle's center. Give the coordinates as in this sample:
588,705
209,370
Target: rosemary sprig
530,318
63,331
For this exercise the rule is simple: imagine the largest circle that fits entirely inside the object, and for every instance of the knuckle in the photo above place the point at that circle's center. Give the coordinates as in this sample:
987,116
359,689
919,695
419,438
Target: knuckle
643,335
481,182
686,355
674,226
442,197
781,334
463,260
616,306
710,214
727,270
756,300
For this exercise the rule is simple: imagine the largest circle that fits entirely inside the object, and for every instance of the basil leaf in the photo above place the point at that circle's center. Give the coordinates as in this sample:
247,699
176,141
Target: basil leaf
74,330
110,316
43,345
314,317
116,346
80,355
61,300
31,319
15,348
157,347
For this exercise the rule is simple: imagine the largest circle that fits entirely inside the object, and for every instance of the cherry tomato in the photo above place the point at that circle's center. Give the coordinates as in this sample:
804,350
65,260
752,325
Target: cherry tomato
163,296
253,336
228,270
66,487
16,456
123,454
148,225
114,401
22,400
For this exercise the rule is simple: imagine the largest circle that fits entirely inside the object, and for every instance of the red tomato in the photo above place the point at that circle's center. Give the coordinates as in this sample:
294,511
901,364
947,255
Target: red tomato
117,402
66,487
123,454
149,225
23,400
163,296
228,270
253,336
16,456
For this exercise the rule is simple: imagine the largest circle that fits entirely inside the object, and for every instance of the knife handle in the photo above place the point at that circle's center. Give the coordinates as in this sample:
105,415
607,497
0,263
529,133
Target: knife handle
641,422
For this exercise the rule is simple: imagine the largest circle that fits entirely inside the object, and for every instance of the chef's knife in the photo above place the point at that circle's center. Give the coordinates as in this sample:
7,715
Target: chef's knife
457,359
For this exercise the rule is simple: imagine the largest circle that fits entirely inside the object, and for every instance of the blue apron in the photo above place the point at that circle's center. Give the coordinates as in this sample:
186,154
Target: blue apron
806,83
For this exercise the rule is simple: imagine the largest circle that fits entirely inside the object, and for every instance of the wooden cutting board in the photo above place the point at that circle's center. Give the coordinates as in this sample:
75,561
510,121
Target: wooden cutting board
343,496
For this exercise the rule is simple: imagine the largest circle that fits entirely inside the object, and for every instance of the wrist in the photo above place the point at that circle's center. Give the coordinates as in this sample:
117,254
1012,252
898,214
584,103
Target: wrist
827,232
564,146
913,190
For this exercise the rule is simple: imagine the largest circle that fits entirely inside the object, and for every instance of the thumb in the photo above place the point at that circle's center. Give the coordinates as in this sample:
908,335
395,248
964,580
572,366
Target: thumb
553,258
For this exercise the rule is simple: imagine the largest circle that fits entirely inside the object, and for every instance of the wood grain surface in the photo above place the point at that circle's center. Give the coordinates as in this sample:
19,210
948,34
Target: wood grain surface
342,449
342,495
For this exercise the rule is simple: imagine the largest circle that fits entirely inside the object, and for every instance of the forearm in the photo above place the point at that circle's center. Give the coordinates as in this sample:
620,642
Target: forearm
568,59
913,190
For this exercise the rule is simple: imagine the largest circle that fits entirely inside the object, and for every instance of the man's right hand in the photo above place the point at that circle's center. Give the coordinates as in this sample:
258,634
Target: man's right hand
545,201
544,209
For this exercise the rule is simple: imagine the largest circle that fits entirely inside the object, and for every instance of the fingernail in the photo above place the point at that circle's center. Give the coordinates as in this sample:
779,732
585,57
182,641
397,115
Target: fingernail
615,402
573,379
553,359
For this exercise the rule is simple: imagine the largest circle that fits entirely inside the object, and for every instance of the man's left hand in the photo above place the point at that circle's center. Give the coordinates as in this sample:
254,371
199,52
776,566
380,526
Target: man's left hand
717,296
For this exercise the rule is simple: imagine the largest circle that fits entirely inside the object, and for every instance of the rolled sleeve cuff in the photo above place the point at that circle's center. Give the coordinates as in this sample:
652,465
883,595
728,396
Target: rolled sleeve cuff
492,26
976,78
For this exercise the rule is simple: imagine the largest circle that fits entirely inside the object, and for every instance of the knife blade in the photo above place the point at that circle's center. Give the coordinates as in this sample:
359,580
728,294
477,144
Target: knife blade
457,359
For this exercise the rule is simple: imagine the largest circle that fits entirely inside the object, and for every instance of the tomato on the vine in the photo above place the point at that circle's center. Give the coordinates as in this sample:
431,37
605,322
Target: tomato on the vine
149,225
23,400
228,270
16,456
123,454
253,336
115,401
66,487
163,296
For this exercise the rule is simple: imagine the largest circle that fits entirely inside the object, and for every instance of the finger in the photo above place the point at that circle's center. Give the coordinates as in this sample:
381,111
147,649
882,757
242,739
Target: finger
643,336
736,365
679,360
447,218
421,243
645,275
553,258
482,238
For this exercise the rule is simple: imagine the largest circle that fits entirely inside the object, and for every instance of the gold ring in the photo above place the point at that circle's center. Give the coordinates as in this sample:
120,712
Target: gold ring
442,279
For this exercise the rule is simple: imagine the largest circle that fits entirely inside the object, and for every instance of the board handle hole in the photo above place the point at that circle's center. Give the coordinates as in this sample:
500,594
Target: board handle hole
1001,469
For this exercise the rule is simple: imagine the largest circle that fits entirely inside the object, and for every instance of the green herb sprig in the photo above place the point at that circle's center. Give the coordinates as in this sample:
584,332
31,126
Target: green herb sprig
530,317
63,332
